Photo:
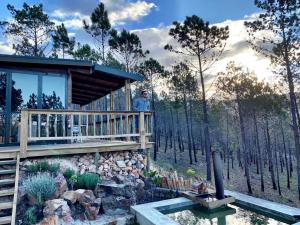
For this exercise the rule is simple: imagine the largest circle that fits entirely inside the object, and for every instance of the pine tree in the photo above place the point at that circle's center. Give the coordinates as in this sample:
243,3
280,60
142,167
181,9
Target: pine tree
205,43
275,33
30,27
85,52
99,29
62,42
127,47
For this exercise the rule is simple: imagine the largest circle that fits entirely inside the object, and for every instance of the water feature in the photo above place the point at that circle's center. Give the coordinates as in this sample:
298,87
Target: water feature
227,215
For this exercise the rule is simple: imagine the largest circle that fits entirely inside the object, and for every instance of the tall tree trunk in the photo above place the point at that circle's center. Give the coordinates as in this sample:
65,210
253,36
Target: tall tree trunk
245,152
288,185
262,183
293,107
192,133
227,147
277,169
270,157
206,123
188,129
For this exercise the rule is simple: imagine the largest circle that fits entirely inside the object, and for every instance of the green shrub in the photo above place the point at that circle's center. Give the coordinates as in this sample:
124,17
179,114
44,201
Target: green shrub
150,174
87,181
190,172
30,216
73,180
43,166
40,187
69,173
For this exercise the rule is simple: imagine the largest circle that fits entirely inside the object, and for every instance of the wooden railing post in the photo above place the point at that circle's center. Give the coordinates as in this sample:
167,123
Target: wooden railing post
142,130
127,95
24,133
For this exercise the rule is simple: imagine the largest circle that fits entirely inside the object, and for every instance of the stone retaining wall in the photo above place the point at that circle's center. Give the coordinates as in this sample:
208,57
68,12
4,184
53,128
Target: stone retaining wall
107,165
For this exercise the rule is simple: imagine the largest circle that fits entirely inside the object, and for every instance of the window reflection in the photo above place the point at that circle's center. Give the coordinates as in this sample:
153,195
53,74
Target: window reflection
2,106
28,85
25,92
54,92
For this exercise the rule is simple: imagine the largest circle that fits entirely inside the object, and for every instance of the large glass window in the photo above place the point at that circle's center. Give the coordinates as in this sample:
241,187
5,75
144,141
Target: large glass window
54,92
28,95
19,90
3,84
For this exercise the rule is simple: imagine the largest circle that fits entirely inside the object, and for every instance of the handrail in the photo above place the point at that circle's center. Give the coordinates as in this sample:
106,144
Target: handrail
84,111
79,126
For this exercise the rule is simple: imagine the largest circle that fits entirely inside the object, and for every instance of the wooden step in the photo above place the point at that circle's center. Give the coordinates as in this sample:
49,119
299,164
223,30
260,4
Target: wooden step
5,220
6,205
6,192
4,172
8,162
6,182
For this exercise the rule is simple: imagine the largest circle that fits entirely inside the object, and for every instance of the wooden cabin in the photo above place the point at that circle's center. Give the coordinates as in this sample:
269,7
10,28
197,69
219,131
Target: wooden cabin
42,108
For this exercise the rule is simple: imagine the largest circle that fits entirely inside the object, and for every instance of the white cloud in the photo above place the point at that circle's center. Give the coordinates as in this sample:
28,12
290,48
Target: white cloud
237,49
5,48
121,11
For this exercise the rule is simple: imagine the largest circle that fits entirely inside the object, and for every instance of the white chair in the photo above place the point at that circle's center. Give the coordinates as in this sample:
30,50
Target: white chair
76,132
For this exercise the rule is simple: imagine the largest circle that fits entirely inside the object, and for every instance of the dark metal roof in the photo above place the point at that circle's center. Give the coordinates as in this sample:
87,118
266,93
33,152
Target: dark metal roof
43,60
89,81
70,63
119,73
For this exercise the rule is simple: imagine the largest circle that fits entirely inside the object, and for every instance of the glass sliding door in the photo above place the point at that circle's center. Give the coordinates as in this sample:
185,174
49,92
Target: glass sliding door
3,109
23,90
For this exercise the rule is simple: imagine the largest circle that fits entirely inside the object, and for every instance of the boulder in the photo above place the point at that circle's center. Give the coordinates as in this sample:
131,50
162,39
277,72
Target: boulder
121,163
57,207
85,196
51,220
92,210
61,185
112,202
92,168
126,190
119,179
71,196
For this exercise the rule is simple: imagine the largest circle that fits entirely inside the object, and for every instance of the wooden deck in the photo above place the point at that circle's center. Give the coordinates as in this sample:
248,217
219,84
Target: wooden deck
69,149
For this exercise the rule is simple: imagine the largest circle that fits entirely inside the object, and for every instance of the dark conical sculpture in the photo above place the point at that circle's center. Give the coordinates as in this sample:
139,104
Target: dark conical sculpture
218,173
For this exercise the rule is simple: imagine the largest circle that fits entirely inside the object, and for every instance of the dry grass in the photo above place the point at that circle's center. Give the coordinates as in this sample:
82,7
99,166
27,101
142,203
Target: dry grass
237,181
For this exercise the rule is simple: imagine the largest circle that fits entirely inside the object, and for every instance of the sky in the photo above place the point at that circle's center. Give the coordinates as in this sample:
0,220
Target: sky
151,20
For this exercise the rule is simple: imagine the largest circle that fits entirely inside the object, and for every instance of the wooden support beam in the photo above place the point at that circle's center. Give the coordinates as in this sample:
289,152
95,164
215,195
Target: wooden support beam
112,101
24,133
112,108
127,95
69,91
15,200
142,130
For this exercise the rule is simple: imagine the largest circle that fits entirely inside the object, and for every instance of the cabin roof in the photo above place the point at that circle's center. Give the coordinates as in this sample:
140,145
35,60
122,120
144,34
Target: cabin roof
90,81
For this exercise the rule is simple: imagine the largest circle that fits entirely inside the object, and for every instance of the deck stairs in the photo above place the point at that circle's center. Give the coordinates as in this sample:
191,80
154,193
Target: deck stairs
9,179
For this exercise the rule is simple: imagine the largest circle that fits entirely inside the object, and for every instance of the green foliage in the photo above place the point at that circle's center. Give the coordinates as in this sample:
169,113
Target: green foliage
43,166
128,47
99,28
73,180
69,173
30,217
40,187
150,174
62,41
85,52
87,181
191,172
157,180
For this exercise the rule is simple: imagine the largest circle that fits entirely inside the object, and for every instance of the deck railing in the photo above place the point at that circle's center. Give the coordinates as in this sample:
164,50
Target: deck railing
83,126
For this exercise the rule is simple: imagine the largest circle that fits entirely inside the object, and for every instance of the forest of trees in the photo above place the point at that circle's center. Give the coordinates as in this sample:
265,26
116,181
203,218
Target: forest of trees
254,123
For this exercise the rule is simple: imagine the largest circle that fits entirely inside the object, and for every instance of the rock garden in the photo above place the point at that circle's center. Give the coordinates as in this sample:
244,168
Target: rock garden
86,189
